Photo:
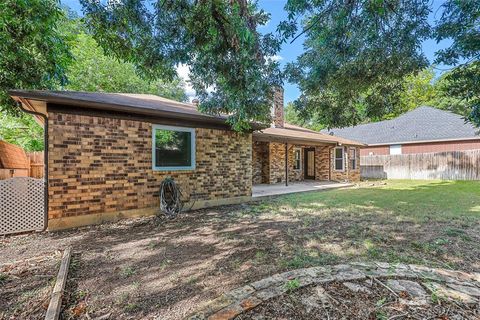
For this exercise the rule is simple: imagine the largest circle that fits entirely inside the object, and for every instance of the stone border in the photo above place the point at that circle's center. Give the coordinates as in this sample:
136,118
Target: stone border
455,284
55,305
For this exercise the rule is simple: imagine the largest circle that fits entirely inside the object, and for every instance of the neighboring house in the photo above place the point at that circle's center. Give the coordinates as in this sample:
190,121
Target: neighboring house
422,130
108,153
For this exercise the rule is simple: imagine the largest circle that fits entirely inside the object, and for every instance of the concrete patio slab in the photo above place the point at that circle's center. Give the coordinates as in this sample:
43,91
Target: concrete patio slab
266,190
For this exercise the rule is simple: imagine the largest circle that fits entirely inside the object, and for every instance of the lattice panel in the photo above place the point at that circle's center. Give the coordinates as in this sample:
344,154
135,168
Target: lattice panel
22,205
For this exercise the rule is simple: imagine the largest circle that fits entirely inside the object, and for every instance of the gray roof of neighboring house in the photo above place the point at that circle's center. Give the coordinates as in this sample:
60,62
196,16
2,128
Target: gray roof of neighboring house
420,124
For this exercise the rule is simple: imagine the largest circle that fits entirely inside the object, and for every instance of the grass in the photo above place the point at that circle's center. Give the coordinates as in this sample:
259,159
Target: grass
398,221
404,200
291,285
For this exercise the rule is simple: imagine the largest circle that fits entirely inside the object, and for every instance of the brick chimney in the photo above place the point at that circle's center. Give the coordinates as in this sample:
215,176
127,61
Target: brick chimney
277,108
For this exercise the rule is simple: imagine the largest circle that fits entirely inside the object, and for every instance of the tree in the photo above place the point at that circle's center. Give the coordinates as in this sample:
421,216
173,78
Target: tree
356,55
229,62
21,130
362,58
93,71
418,90
293,116
444,98
33,53
460,22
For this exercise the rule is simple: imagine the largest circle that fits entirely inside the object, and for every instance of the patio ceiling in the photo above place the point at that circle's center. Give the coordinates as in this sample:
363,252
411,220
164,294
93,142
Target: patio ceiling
297,135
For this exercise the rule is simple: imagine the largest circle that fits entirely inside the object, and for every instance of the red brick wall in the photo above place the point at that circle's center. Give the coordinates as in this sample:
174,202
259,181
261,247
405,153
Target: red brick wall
441,146
376,150
425,147
99,165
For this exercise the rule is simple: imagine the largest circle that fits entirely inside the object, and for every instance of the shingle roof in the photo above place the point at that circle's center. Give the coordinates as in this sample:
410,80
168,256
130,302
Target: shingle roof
142,104
147,104
296,134
421,124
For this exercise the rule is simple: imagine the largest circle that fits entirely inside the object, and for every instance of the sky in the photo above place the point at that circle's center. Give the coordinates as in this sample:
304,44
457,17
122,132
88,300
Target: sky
290,51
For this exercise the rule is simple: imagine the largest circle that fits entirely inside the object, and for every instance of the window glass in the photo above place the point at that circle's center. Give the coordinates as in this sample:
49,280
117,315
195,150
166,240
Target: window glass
173,148
338,158
297,162
353,159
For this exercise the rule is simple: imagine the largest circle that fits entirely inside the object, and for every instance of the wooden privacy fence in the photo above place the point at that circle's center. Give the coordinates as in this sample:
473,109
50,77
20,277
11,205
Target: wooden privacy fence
453,165
37,164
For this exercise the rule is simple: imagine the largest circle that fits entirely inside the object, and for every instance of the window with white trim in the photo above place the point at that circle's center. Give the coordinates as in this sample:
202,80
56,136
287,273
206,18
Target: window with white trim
339,158
297,159
353,158
173,148
396,149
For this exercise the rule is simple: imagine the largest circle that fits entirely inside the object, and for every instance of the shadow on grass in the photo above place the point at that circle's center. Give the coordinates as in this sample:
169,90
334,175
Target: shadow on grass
144,268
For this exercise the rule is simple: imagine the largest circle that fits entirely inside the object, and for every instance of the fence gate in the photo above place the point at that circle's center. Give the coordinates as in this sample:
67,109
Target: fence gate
22,205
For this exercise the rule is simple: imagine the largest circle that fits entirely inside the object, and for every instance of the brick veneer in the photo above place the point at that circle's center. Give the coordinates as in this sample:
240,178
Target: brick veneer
348,174
99,165
269,163
278,109
260,161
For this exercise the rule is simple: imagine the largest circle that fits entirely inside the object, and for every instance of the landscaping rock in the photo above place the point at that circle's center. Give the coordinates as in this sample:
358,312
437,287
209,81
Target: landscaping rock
241,292
270,292
470,290
356,287
267,282
443,292
454,285
414,289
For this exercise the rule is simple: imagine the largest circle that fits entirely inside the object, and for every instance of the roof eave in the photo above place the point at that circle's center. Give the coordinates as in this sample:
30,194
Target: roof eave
82,103
285,138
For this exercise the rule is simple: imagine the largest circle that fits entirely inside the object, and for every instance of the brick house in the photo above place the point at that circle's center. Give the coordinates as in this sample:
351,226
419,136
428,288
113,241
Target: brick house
422,130
108,153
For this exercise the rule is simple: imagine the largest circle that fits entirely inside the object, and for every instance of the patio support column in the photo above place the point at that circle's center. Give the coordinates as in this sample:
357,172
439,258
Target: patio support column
286,163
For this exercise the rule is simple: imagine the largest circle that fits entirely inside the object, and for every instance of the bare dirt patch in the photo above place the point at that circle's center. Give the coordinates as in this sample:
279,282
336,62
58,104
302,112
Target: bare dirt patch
26,286
337,301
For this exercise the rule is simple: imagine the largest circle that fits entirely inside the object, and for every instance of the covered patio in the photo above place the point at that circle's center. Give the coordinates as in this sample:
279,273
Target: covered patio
292,155
267,190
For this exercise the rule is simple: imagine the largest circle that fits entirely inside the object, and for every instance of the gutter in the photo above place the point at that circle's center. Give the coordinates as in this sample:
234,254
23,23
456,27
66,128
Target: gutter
45,155
422,141
178,114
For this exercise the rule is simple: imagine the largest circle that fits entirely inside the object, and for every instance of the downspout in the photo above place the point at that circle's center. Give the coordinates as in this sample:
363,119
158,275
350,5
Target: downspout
286,164
329,163
45,155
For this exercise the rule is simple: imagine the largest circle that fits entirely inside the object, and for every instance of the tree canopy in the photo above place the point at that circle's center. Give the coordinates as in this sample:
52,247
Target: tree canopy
93,71
362,59
460,22
84,66
229,62
359,56
356,54
33,53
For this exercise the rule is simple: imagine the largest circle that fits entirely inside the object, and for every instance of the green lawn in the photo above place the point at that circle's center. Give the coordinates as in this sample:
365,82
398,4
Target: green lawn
401,200
425,222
